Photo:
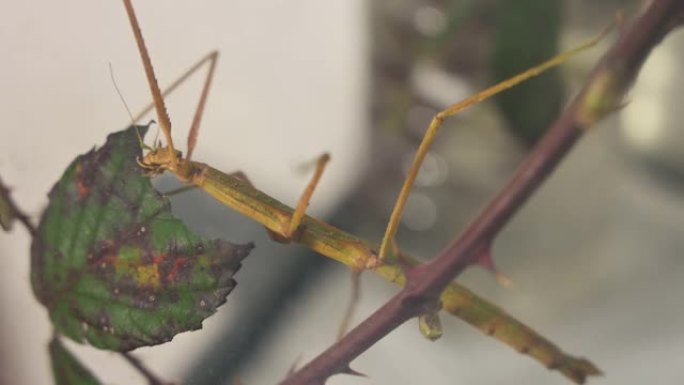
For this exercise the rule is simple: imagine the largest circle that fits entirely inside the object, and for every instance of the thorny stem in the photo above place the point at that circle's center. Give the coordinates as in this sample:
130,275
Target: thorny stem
601,95
16,212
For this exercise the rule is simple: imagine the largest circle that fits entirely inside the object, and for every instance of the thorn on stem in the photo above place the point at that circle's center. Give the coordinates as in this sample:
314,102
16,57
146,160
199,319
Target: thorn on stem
485,260
294,366
352,372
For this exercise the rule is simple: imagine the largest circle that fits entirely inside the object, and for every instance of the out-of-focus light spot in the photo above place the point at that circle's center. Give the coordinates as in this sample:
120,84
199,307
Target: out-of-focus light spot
429,20
438,86
643,127
645,120
433,171
420,213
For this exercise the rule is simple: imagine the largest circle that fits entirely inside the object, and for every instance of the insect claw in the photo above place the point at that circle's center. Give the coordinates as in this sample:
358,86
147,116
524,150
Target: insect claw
140,163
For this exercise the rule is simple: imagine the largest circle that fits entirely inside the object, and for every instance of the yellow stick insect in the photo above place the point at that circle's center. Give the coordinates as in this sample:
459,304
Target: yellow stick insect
286,224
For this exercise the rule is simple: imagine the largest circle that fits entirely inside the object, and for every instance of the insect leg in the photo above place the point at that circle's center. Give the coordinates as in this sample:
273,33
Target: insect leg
159,105
211,58
305,198
454,109
290,233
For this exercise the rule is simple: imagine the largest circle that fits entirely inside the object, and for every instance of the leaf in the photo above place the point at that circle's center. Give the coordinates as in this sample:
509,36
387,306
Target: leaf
66,368
111,263
527,34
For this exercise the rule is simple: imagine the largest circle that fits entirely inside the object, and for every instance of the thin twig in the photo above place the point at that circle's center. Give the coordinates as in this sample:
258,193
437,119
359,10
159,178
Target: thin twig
152,378
15,212
352,305
602,94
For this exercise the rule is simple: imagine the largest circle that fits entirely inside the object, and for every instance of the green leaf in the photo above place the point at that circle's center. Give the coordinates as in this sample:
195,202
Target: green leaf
66,368
111,263
527,34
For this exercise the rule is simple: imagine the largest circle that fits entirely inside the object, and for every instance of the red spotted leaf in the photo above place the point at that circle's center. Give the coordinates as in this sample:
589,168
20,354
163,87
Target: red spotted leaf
111,263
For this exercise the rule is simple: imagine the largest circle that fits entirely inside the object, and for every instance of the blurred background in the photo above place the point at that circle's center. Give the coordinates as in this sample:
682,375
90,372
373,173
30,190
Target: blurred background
595,256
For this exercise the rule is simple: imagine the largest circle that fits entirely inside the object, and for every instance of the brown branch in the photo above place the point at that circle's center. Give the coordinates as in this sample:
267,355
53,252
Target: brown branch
602,94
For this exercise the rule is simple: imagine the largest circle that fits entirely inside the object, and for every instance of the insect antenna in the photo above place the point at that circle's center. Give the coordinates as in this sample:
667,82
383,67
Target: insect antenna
128,110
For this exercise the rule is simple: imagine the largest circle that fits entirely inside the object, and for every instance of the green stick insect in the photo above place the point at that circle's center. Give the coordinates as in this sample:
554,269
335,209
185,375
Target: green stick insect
286,224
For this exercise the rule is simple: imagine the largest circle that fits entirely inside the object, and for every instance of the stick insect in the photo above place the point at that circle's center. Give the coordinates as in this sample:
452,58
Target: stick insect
286,224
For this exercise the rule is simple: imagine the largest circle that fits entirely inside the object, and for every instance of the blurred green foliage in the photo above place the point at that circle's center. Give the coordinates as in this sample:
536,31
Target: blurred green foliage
527,33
